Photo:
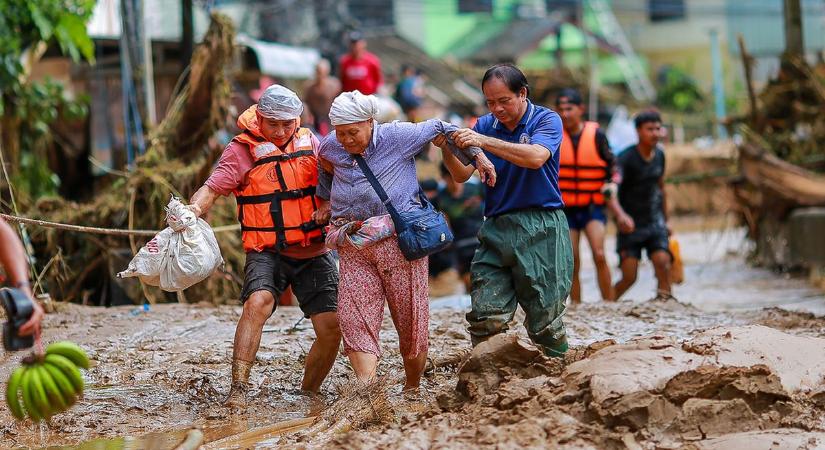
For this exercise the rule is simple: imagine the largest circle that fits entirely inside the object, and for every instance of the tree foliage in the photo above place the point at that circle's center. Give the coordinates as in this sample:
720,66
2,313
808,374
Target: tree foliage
677,90
27,28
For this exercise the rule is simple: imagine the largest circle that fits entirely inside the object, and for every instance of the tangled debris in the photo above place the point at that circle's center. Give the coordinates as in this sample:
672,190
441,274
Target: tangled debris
178,160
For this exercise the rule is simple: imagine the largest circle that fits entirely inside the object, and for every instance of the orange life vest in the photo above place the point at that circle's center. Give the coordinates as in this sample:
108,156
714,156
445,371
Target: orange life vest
275,208
582,172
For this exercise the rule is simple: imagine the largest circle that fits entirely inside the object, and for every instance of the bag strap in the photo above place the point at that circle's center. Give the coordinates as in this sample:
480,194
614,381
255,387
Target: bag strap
385,199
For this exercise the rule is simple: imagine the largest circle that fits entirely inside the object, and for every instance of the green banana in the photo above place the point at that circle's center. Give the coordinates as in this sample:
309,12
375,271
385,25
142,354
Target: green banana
12,388
28,402
69,369
56,400
71,351
38,392
63,383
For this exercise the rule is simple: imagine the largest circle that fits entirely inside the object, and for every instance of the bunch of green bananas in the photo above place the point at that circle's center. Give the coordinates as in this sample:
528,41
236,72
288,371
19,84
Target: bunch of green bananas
47,384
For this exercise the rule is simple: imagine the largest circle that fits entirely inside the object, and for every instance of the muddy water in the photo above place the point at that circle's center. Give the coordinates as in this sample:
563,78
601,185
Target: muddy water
162,372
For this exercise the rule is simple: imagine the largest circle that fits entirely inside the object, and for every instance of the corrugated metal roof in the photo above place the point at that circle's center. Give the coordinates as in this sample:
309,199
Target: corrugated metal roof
447,84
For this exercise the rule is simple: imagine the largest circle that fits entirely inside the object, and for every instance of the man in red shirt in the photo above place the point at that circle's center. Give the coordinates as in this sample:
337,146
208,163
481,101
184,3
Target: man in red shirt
359,69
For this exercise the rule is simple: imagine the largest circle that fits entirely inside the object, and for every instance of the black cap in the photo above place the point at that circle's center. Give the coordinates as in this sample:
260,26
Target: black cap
355,36
570,95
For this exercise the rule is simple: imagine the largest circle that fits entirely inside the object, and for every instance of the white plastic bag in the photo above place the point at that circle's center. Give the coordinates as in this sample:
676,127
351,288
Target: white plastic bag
621,132
183,254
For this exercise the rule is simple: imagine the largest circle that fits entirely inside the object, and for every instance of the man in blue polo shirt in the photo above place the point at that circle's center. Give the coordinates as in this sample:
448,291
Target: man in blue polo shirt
525,257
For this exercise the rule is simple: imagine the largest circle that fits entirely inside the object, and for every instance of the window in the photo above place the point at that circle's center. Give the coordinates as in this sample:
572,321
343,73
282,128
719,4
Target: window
568,9
475,6
564,5
664,10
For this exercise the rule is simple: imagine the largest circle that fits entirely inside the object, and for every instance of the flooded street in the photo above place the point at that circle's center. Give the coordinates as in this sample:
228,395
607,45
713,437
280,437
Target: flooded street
161,372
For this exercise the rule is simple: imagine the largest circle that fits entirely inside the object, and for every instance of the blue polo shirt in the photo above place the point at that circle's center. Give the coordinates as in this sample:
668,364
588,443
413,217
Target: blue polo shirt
518,187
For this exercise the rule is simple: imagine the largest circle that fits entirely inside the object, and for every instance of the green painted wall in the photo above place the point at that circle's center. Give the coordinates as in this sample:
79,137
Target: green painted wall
444,26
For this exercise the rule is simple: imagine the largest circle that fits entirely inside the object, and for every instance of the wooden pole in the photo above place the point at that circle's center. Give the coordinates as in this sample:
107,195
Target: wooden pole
794,44
747,62
187,42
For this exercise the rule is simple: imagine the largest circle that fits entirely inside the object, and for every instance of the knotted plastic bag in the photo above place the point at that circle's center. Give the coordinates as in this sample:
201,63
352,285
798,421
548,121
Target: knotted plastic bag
181,255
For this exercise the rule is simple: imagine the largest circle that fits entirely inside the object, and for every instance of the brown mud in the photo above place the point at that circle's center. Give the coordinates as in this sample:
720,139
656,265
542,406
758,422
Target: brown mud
641,374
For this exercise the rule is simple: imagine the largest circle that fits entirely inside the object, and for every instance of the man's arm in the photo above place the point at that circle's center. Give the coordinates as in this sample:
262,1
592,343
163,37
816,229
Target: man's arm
233,165
14,260
530,156
612,176
664,203
462,172
545,140
624,222
13,256
202,200
326,171
458,170
603,147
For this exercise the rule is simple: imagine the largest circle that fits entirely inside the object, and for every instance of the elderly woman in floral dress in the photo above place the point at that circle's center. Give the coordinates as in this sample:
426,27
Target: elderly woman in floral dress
373,269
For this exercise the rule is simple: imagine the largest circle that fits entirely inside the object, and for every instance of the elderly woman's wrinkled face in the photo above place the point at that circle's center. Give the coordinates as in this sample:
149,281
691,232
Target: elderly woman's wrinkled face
277,131
354,137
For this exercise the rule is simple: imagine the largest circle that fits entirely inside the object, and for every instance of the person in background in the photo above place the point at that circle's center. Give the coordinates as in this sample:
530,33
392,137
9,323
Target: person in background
587,177
360,70
525,257
410,92
463,204
642,195
318,95
15,264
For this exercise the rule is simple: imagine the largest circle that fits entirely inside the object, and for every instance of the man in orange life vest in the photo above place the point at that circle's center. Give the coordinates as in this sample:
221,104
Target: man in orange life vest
272,169
587,179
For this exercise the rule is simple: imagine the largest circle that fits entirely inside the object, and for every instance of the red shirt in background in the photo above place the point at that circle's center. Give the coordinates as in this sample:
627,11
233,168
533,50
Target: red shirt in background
362,74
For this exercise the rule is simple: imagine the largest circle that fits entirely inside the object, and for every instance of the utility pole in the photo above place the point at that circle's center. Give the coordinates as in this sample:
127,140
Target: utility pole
593,62
718,83
148,71
794,44
187,41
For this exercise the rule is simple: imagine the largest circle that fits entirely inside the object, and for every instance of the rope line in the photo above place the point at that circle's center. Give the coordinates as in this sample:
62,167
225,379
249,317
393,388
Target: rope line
95,230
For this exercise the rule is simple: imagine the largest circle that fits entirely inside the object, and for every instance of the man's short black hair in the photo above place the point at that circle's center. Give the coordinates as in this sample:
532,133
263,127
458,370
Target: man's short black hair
510,75
355,36
429,184
569,95
647,116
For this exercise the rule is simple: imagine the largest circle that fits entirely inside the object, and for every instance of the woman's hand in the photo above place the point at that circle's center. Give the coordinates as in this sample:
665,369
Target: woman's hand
440,141
466,137
486,169
355,227
323,213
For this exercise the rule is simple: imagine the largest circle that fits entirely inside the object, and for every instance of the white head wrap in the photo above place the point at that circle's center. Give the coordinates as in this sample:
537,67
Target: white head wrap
279,103
353,107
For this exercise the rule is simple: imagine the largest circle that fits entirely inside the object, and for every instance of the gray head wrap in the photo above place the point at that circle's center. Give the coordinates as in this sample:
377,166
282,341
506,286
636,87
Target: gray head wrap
279,103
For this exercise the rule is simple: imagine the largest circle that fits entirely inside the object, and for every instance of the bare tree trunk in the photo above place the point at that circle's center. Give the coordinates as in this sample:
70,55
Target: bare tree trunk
10,140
